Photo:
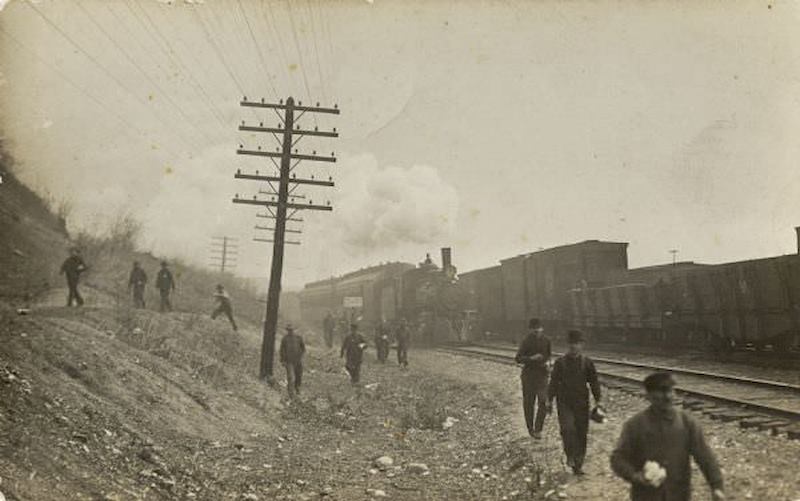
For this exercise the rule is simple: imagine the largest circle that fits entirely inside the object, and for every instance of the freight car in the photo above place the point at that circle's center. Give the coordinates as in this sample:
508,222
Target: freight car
537,284
748,303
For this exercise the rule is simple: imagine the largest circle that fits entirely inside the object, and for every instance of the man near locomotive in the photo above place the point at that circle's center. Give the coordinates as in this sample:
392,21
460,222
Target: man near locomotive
403,337
328,324
654,449
353,351
534,353
291,356
572,372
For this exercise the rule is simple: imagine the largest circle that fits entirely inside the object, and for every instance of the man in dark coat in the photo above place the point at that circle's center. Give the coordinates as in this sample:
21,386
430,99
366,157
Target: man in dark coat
382,341
353,351
328,324
72,267
291,356
223,306
403,337
165,283
137,281
571,373
534,353
663,438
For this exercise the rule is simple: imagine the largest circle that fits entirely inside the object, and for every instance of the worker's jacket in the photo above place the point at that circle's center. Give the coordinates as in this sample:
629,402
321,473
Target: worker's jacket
669,438
353,349
534,344
292,349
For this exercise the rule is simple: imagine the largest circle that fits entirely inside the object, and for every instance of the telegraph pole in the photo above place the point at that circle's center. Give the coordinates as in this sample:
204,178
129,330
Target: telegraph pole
279,209
223,252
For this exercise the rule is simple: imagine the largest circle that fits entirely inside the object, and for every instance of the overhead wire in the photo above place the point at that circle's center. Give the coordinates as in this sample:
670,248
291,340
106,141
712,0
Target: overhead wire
258,49
136,65
105,70
198,88
127,123
167,48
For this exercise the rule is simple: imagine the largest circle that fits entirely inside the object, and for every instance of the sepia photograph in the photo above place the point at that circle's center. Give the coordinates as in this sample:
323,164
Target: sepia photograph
353,250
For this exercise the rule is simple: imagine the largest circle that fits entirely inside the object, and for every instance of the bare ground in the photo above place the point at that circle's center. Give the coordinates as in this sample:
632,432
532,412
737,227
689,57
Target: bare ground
110,403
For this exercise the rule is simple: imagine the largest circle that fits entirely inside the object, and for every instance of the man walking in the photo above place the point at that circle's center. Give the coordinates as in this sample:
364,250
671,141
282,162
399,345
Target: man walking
534,353
353,351
137,281
571,373
72,267
403,337
165,283
328,325
653,452
291,356
224,306
382,341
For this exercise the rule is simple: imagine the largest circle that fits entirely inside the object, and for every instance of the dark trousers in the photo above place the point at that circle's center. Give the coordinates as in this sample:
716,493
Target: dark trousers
138,296
228,311
72,285
329,338
355,372
294,377
534,400
166,305
402,354
573,420
382,347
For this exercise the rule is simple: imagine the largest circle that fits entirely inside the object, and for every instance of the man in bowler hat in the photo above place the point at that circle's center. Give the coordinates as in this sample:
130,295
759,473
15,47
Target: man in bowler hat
669,437
571,374
534,353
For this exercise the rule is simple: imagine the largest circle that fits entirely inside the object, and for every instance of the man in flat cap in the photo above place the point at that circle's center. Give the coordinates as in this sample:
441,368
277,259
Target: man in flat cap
572,372
291,356
654,449
534,353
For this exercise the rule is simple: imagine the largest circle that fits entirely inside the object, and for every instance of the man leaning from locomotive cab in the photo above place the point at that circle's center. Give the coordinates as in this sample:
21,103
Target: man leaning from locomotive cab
534,353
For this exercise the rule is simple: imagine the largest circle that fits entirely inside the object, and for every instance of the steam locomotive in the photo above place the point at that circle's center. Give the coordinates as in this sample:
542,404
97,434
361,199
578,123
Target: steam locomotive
429,297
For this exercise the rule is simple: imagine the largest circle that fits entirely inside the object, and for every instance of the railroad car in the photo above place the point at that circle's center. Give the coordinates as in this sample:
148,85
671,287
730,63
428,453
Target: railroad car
749,303
429,297
538,284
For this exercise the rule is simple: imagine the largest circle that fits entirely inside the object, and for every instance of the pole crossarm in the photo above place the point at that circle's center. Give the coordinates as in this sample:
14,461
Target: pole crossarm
293,156
267,228
256,177
275,194
295,132
269,203
270,241
281,106
292,219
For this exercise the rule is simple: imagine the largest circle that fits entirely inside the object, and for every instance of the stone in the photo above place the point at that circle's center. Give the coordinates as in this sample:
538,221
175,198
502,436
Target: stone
417,468
384,462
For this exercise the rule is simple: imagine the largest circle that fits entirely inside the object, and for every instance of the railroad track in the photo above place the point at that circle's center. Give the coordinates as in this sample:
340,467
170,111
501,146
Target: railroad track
754,403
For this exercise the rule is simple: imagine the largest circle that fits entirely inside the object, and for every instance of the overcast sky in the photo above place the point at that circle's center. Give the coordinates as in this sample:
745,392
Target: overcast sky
494,127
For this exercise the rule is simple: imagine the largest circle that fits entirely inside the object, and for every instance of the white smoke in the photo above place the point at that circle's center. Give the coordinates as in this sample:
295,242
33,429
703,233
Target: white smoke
388,207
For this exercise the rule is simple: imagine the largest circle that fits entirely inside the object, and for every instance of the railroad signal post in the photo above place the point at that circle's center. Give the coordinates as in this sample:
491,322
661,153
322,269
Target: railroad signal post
278,209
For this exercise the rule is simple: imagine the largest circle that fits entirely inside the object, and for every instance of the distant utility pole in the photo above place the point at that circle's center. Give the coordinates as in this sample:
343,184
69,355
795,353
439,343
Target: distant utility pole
278,209
224,251
674,253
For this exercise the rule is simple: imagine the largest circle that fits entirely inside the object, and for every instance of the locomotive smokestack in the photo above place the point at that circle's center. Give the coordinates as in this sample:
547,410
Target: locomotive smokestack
446,258
797,230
